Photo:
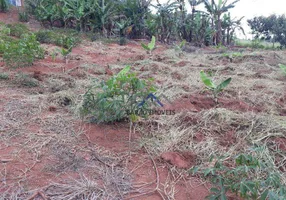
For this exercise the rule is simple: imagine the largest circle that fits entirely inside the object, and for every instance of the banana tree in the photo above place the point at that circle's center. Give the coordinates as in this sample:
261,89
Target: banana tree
136,11
165,19
78,11
193,4
216,10
104,11
229,26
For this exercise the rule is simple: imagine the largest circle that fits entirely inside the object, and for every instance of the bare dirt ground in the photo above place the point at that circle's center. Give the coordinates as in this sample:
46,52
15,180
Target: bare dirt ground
48,152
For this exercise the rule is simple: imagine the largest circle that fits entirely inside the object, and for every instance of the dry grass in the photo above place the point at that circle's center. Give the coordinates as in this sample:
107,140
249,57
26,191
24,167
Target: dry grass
102,175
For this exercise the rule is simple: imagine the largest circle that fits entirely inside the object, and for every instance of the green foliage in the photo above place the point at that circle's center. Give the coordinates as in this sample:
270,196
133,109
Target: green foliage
65,40
169,22
283,68
216,89
257,44
117,98
248,176
4,76
23,16
151,46
180,46
4,5
22,52
271,28
18,30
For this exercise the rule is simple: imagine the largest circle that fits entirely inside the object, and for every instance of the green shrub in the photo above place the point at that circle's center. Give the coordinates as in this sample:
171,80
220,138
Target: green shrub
23,16
46,36
4,5
248,176
59,39
118,98
4,76
4,30
23,52
18,30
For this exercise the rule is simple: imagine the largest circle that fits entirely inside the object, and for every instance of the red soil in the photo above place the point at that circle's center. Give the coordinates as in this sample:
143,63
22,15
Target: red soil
198,102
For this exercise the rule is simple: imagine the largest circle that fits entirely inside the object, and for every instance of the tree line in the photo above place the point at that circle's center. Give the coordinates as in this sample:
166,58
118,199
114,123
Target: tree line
143,18
271,28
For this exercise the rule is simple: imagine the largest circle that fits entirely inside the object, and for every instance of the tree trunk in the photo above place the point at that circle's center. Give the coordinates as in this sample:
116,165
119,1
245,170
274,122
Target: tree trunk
219,30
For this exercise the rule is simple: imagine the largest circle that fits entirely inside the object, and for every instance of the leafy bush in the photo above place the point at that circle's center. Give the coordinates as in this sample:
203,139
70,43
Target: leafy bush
4,76
23,16
23,52
4,5
117,98
18,30
248,176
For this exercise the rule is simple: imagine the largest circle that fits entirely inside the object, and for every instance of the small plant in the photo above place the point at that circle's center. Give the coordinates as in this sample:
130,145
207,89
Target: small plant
117,98
4,76
65,53
283,68
248,177
151,46
4,6
179,48
122,26
216,89
23,16
54,55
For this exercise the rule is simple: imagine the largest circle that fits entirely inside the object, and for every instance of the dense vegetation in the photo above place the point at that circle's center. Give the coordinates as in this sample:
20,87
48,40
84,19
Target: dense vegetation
271,28
140,18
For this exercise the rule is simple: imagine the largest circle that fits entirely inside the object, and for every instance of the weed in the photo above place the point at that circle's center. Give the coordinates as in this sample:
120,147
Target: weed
65,40
118,97
65,53
179,48
216,89
25,80
4,76
248,176
151,46
283,68
23,16
54,55
18,30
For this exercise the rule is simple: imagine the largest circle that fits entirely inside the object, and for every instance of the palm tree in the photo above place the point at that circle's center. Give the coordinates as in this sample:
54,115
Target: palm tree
216,10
